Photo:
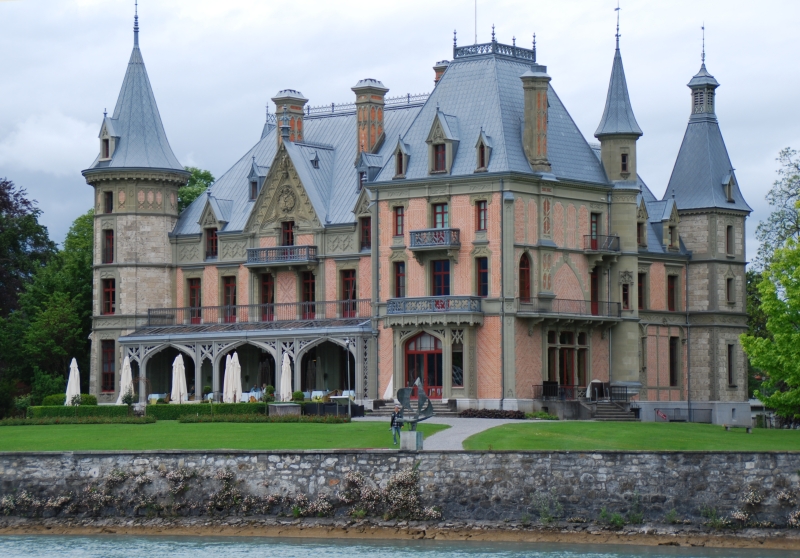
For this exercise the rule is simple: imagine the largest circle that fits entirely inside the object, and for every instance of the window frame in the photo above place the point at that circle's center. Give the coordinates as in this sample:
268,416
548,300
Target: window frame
440,278
365,233
674,361
439,157
441,216
525,294
229,295
308,294
672,298
253,189
626,296
729,240
108,202
194,292
212,243
398,163
623,162
481,215
730,290
399,279
731,365
399,220
482,276
641,290
481,156
287,233
108,376
107,256
108,302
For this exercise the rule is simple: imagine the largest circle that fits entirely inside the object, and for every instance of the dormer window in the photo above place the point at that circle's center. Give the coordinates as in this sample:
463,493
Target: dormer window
673,237
106,148
641,234
729,190
483,152
439,158
253,189
211,243
400,159
398,164
482,156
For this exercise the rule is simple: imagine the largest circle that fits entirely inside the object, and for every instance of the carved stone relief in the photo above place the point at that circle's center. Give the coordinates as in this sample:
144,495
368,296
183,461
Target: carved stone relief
233,250
188,253
625,277
340,243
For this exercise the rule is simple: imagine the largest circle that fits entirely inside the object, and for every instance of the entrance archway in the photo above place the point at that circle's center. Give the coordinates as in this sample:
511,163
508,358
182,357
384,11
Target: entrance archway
159,371
424,361
258,367
324,368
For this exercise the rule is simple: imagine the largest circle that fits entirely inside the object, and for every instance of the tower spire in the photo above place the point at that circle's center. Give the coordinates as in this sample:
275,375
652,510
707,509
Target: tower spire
136,24
703,54
617,35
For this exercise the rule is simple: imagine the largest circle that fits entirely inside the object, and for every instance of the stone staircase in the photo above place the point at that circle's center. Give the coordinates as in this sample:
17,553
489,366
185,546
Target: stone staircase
607,412
440,409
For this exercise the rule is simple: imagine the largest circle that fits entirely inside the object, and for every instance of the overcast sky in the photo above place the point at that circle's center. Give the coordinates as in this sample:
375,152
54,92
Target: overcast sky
214,65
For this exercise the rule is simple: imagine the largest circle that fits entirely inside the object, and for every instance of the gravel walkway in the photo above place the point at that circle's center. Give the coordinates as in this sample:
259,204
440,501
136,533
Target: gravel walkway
452,438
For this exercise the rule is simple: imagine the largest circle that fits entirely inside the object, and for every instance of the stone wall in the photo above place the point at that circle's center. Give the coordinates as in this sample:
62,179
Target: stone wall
464,485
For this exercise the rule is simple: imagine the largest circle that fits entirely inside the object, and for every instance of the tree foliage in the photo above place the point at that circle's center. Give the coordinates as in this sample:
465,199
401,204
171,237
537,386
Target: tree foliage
198,183
756,326
777,352
24,244
784,221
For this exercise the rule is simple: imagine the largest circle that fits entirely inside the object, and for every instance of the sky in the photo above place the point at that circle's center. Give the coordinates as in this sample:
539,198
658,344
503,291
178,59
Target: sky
214,65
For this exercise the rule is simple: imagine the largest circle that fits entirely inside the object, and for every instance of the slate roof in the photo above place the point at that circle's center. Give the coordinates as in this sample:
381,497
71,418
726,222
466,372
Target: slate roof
141,141
703,166
618,115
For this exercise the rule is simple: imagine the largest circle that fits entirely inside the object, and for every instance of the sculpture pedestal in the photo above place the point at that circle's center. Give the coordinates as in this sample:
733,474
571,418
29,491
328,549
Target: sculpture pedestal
411,441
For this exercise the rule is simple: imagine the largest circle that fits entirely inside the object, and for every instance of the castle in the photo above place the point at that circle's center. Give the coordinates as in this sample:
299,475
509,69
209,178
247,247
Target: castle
470,238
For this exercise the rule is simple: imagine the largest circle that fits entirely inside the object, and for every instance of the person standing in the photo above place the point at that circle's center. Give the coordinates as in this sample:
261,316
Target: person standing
396,423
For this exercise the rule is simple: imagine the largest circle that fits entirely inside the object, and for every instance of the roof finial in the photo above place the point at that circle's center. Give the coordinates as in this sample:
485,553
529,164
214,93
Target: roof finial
617,35
493,32
534,48
136,24
703,54
454,39
105,113
513,41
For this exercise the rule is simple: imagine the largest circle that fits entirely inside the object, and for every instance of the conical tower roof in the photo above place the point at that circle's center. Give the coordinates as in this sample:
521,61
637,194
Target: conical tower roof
141,141
618,118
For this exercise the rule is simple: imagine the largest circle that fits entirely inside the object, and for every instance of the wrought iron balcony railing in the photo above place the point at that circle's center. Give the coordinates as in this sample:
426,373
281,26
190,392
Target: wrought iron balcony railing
428,304
427,239
560,306
282,255
255,313
552,391
601,243
494,47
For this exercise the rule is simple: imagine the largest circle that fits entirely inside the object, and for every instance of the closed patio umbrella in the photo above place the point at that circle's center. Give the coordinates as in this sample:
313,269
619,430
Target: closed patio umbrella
125,380
286,379
179,391
74,382
236,384
226,381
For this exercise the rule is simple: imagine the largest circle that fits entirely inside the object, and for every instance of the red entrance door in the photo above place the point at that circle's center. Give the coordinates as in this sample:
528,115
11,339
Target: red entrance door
424,361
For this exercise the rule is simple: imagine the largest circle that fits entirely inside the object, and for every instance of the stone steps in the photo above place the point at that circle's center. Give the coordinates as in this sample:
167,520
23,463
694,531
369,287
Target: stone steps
608,412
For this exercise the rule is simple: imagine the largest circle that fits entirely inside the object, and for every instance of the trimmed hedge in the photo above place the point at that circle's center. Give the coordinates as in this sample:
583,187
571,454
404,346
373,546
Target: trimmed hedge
60,399
79,420
80,411
491,413
175,411
327,419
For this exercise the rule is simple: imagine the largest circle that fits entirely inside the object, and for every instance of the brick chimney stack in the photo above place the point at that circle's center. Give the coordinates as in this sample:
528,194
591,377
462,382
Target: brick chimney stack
294,103
534,138
370,100
438,70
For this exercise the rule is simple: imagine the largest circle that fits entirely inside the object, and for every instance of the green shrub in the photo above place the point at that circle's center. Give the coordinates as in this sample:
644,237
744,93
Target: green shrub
175,411
80,411
77,420
541,415
270,390
45,384
298,396
325,419
60,398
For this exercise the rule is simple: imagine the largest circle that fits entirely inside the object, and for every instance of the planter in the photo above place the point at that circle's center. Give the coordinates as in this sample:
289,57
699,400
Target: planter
284,409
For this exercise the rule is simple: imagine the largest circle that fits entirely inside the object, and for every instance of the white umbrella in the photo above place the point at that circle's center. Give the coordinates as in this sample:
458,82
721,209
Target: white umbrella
179,391
389,393
226,381
236,383
125,380
286,379
74,382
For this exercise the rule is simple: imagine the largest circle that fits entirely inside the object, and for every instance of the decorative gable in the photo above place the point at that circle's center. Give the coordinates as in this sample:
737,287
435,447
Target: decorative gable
362,204
641,212
108,139
442,136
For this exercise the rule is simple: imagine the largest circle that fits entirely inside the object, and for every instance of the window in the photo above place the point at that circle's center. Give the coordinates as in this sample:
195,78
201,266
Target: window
674,361
108,202
398,163
229,298
626,297
366,233
730,290
672,281
349,293
482,268
594,292
195,301
108,246
287,233
211,243
441,277
623,167
642,290
480,215
399,279
108,379
641,234
698,101
458,365
525,278
440,216
309,294
594,230
106,148
673,237
730,363
482,156
729,240
399,220
253,190
267,297
439,161
109,305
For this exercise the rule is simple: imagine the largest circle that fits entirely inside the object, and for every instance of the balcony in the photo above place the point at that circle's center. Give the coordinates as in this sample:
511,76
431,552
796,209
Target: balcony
436,239
601,243
558,309
260,313
281,256
434,310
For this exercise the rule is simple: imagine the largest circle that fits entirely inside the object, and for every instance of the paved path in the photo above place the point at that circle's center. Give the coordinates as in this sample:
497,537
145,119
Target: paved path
460,429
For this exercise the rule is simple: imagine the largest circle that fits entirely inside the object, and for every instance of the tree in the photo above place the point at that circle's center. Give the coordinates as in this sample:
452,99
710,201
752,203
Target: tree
55,335
756,326
24,244
777,353
198,183
784,221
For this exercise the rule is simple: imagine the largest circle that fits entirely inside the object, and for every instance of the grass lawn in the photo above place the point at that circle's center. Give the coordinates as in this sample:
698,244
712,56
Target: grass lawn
588,436
170,434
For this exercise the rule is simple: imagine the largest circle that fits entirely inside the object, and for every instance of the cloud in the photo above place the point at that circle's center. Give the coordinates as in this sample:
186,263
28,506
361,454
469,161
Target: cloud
51,143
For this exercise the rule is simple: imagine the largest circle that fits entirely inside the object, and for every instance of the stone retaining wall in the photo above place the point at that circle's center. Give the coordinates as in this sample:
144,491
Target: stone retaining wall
463,485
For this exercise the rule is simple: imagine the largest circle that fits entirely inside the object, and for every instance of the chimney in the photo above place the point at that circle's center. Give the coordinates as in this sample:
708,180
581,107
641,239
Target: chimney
438,70
293,101
534,137
370,95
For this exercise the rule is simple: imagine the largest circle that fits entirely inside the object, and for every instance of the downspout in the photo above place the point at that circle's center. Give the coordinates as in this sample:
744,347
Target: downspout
502,295
688,349
608,293
376,291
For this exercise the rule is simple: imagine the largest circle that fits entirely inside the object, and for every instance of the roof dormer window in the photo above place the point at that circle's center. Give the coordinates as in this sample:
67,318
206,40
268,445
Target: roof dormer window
400,159
253,189
106,148
315,161
442,143
483,152
439,158
398,164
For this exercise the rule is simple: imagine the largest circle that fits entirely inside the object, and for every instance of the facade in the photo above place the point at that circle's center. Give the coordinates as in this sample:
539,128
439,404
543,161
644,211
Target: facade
522,269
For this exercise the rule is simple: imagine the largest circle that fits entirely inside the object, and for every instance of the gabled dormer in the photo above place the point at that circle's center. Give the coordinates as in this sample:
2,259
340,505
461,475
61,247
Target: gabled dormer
216,212
442,143
255,179
642,219
368,166
108,139
400,157
669,226
729,187
483,152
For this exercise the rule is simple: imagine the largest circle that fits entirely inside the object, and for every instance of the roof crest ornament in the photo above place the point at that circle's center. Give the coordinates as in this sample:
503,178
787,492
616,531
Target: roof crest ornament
617,35
454,38
493,39
136,23
534,48
703,54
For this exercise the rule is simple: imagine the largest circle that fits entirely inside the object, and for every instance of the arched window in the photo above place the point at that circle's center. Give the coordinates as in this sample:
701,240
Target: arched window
525,278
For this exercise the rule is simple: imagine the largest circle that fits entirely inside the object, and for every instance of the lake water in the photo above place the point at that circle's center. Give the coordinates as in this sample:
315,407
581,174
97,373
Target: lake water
227,547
